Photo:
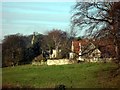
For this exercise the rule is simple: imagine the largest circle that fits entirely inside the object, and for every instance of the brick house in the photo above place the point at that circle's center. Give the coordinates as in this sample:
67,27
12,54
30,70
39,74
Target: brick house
84,50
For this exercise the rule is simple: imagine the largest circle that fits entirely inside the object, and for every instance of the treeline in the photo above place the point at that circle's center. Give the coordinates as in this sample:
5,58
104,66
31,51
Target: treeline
17,49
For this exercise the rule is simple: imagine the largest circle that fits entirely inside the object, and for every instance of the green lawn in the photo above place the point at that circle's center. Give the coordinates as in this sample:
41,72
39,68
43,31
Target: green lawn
84,75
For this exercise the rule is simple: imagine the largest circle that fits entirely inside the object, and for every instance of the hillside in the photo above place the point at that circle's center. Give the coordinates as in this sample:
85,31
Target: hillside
85,75
0,55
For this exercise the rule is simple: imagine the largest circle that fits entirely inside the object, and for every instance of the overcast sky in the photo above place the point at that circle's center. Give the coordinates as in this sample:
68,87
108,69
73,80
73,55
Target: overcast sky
27,17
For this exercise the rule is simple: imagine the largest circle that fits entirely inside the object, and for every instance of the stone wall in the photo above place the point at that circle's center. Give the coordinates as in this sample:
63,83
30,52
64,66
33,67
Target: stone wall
59,62
54,62
98,60
67,61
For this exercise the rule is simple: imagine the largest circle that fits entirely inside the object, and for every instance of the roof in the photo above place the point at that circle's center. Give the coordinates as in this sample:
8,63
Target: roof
85,45
105,46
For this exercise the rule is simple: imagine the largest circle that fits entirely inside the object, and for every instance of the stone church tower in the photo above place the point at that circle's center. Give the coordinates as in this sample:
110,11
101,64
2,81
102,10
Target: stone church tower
33,38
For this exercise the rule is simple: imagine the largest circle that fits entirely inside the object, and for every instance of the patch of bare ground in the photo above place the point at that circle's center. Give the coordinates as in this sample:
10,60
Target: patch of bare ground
109,78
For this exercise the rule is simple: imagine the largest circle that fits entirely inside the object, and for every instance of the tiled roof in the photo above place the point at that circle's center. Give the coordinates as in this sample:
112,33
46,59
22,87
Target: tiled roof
84,43
102,45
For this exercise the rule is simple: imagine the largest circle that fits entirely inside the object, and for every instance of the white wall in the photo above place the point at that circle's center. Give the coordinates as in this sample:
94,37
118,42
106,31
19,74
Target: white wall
59,62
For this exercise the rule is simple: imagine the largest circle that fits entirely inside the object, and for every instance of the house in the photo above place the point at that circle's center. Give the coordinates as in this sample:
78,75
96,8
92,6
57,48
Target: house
84,50
106,47
54,53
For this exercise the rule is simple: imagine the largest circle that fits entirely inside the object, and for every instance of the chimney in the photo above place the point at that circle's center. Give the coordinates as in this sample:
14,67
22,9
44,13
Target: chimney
72,47
80,51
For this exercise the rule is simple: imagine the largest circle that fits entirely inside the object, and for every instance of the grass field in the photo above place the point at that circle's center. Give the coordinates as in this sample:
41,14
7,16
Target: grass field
84,75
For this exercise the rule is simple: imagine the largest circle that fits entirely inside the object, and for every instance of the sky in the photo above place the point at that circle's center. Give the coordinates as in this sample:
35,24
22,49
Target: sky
29,17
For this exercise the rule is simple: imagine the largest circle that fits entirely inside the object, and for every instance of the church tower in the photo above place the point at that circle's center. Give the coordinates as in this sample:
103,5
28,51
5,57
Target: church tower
33,38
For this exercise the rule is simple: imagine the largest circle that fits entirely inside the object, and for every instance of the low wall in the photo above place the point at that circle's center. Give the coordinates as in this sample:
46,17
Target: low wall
67,61
98,60
54,62
59,62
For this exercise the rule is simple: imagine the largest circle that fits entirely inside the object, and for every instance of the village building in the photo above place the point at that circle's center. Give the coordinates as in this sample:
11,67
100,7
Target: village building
106,47
54,54
81,50
92,50
84,50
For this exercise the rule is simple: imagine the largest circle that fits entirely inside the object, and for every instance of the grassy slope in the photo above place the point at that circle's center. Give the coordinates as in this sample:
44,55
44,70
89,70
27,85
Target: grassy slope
75,76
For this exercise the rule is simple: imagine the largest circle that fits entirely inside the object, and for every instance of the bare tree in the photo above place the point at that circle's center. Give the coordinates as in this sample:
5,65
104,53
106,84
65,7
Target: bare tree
56,38
99,19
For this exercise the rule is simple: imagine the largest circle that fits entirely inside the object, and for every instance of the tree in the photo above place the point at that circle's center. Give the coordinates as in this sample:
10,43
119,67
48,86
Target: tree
99,19
17,49
13,49
115,32
57,39
33,49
